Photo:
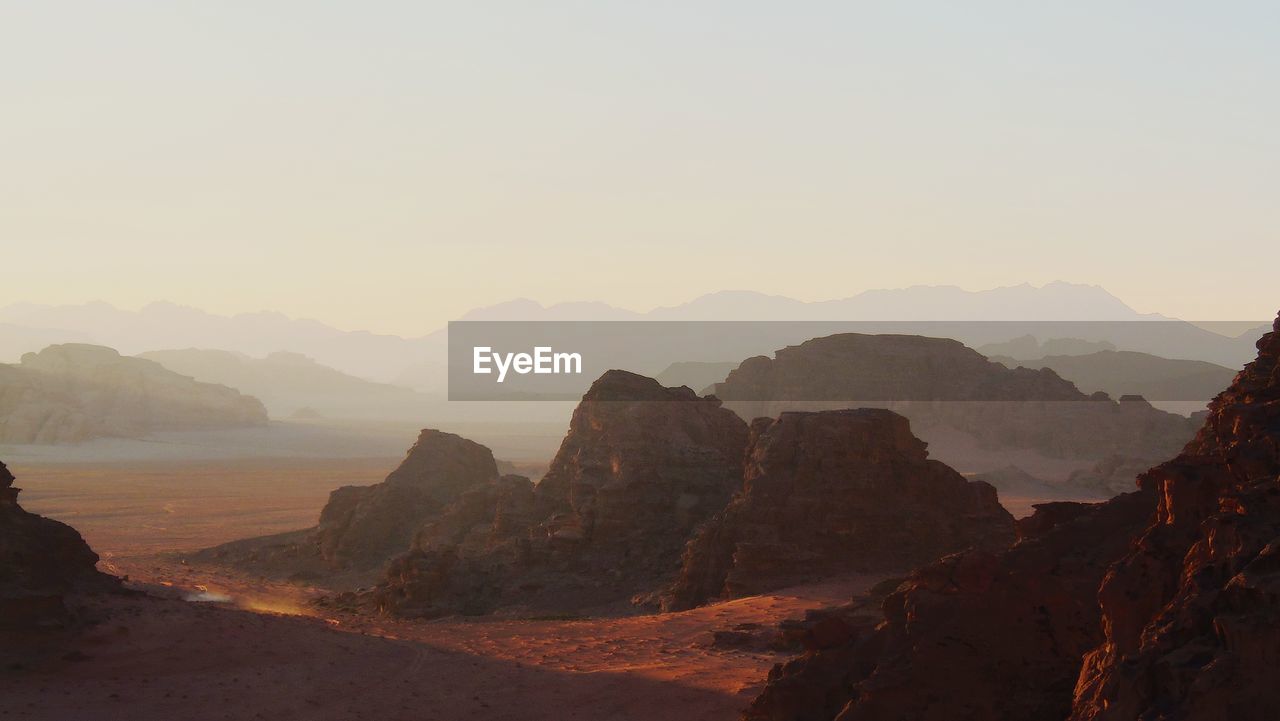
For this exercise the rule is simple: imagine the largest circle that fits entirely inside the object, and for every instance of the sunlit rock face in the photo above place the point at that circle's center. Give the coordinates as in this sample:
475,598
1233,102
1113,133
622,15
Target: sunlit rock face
1158,604
75,392
1192,613
41,560
830,493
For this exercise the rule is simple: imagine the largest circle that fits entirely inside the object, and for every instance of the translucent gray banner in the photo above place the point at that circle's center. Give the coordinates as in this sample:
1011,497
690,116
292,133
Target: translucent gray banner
883,361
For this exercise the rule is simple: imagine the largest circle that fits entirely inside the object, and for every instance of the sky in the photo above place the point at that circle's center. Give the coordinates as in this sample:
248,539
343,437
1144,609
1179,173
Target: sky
390,165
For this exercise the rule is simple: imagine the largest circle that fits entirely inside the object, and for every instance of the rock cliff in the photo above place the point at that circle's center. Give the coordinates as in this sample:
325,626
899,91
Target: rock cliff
1192,613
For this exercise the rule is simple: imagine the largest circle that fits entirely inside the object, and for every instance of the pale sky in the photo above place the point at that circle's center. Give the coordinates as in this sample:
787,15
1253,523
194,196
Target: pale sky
389,165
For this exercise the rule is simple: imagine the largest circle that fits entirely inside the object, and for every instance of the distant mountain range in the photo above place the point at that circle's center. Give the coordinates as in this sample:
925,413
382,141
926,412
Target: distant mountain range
1121,373
420,362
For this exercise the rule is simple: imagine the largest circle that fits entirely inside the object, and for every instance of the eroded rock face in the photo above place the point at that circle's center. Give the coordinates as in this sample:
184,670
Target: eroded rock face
74,392
641,466
940,383
1192,613
835,492
41,560
1158,604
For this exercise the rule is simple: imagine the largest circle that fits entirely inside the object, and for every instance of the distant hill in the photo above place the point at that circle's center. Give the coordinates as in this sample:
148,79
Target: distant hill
976,414
75,392
1121,373
697,375
293,385
1028,346
160,326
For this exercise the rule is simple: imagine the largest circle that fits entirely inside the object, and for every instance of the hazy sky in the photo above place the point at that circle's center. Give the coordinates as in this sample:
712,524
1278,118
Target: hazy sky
388,165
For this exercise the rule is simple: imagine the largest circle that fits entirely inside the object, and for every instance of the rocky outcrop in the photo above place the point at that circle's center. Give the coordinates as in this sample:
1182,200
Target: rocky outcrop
641,467
642,462
941,384
75,392
830,493
1157,604
362,528
41,560
1192,613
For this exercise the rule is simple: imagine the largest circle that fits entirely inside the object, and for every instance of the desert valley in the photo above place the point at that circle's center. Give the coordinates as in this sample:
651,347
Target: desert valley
765,548
639,361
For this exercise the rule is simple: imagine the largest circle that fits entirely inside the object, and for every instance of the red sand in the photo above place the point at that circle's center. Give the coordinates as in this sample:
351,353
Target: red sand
168,659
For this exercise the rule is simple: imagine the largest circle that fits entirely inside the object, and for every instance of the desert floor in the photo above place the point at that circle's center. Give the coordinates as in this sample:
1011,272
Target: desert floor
260,651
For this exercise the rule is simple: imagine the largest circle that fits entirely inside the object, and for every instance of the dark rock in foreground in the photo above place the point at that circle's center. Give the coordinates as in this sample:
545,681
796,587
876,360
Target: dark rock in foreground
41,560
1192,612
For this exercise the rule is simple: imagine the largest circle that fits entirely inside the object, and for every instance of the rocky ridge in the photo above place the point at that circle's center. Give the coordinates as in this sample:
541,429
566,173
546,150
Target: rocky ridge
1191,613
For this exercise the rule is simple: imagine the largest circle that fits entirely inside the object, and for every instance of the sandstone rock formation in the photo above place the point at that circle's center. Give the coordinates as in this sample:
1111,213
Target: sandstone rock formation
74,392
1192,612
641,467
945,387
366,525
835,492
1158,604
41,560
361,528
